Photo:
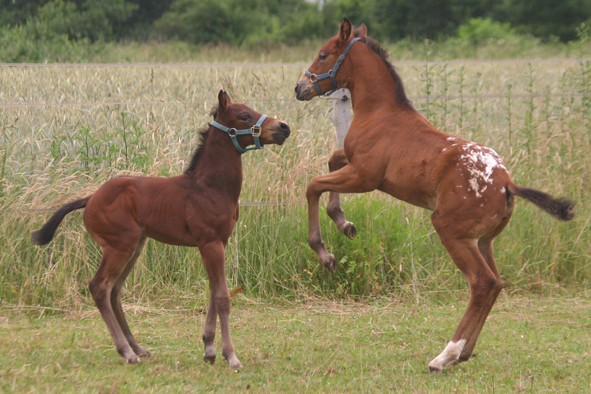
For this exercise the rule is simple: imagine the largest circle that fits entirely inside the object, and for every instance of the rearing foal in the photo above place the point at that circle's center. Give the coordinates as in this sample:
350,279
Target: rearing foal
198,208
392,148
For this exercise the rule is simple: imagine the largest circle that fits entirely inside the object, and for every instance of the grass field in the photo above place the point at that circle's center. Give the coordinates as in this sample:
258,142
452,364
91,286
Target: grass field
95,122
529,345
142,120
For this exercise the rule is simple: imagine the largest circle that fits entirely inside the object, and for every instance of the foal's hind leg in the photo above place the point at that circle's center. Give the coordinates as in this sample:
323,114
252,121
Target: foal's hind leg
484,289
112,266
213,258
209,329
116,301
334,210
485,248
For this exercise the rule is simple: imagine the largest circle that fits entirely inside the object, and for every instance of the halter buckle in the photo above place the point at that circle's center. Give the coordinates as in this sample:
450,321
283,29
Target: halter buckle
256,131
313,77
232,131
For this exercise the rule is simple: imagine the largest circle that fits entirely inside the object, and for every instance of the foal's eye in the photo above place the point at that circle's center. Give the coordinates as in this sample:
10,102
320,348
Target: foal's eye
322,56
244,118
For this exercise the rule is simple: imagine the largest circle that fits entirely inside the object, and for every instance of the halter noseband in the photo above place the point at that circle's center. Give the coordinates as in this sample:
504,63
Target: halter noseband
255,131
332,73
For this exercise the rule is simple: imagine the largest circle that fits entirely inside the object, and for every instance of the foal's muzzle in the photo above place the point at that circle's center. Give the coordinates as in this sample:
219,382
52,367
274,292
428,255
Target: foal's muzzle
282,134
303,91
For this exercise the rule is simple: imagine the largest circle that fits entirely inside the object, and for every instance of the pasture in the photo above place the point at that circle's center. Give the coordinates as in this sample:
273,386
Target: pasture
529,345
65,130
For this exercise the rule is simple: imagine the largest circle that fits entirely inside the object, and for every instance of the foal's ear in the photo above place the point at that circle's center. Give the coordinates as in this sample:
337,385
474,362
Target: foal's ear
361,31
223,100
345,30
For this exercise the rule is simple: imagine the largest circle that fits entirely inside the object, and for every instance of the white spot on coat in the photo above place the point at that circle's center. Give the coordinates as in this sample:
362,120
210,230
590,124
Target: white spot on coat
480,161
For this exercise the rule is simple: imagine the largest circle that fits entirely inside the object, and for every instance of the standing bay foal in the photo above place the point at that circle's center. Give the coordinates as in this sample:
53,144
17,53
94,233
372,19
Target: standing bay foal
198,208
392,148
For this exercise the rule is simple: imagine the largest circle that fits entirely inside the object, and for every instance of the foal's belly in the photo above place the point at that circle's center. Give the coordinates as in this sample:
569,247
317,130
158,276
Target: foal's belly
189,226
412,195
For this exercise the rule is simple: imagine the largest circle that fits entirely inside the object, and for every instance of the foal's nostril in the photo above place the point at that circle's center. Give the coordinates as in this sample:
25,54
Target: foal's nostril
285,128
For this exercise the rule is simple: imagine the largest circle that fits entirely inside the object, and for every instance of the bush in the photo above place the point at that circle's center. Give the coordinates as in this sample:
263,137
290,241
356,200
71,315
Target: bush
243,22
22,44
480,30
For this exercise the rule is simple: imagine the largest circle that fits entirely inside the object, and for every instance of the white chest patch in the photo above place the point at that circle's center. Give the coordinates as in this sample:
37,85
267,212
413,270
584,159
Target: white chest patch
479,161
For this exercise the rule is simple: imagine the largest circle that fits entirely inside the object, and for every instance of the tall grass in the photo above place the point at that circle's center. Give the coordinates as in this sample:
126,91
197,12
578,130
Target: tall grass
54,154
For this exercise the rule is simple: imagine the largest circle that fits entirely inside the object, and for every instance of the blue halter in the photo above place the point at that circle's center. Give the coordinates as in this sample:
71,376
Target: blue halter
255,131
332,73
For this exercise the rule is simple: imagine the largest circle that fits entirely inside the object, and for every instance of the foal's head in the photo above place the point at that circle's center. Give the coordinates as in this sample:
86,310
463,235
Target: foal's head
326,61
246,125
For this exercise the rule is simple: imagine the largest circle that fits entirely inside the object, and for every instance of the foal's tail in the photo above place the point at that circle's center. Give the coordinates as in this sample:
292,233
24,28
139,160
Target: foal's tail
43,236
561,208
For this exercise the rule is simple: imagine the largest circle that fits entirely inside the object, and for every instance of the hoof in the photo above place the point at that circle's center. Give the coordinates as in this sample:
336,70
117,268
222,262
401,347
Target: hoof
330,263
142,353
350,230
450,356
133,359
237,365
209,359
234,362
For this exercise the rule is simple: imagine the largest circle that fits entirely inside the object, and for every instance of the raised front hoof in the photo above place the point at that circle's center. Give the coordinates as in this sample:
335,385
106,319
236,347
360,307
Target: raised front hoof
349,230
209,359
330,263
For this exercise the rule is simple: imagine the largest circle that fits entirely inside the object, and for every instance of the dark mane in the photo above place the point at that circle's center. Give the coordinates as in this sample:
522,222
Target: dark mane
203,133
400,94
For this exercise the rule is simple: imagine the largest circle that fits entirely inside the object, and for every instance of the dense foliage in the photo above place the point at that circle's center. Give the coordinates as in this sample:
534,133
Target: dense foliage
253,22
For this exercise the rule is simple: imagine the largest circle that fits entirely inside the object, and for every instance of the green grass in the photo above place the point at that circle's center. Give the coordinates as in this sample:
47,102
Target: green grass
529,344
511,47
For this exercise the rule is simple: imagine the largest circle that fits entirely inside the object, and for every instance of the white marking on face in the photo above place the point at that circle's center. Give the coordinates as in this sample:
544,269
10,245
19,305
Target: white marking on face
449,356
503,190
480,161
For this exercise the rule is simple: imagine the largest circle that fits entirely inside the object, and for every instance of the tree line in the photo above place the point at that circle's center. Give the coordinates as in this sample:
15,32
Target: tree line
253,22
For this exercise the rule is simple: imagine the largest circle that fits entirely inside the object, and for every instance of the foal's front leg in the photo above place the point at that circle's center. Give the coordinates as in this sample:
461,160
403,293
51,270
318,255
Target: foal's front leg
213,258
334,210
345,180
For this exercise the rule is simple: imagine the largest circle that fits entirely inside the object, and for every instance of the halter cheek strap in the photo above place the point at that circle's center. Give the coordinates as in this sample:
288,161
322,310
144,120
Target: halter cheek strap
332,73
255,131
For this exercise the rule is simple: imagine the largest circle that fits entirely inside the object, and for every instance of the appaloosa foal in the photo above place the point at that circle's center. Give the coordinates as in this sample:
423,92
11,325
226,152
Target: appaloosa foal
393,148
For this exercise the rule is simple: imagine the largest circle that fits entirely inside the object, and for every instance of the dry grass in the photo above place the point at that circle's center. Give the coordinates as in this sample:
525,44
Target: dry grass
53,154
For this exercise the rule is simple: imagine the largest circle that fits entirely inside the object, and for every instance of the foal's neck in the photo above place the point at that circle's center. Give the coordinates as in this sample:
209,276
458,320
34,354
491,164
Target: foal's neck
371,84
220,164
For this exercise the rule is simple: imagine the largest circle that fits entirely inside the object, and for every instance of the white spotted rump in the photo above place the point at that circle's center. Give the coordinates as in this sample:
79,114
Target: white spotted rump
479,162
